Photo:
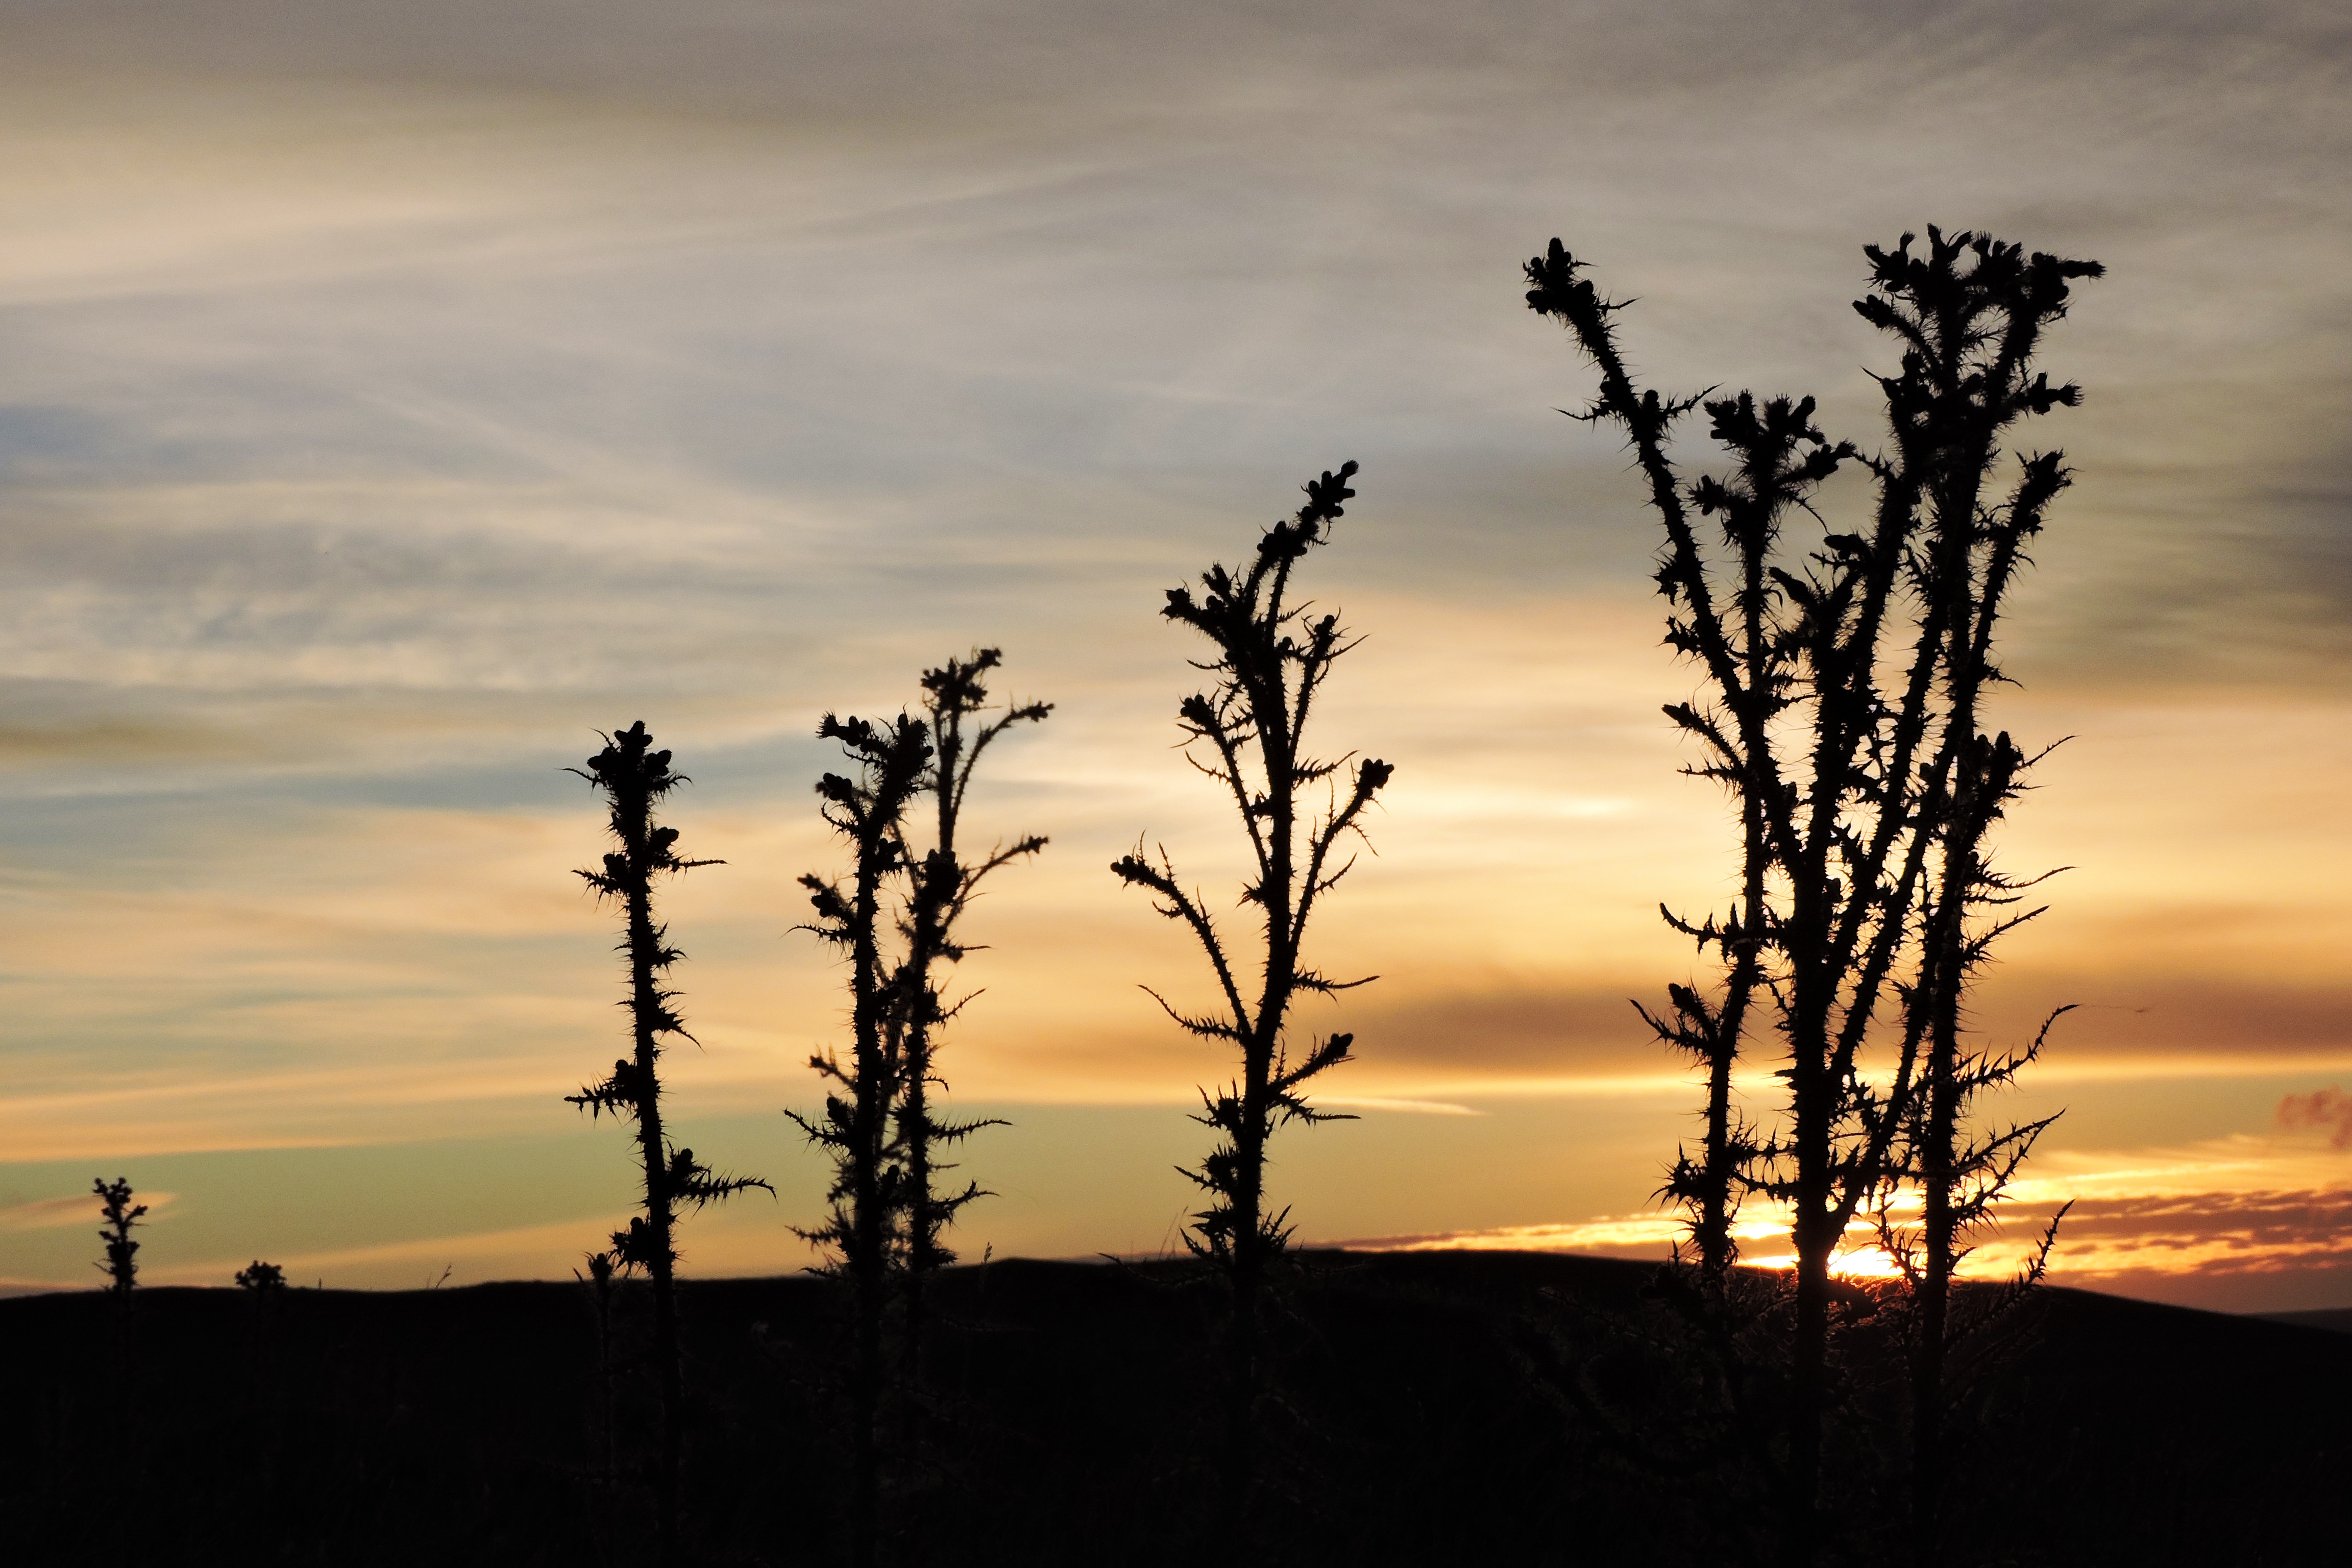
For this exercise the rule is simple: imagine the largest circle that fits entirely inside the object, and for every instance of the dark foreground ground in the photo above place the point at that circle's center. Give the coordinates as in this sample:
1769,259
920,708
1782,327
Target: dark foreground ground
1417,1422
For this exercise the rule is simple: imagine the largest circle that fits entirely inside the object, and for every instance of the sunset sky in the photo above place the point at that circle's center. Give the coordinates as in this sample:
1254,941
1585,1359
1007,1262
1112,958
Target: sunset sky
392,395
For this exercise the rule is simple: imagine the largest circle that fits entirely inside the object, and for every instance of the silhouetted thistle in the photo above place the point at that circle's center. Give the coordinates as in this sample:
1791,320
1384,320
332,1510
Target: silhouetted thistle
1270,662
601,1283
868,1192
889,1216
1970,314
1848,736
120,1268
955,708
634,778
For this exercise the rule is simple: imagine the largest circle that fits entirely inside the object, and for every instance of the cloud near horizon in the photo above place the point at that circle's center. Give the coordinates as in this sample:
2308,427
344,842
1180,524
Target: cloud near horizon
2195,1224
57,1214
2327,1111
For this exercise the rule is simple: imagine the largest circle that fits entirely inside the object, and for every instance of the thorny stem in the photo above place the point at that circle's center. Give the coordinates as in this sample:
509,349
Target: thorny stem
1271,660
634,778
1858,857
943,887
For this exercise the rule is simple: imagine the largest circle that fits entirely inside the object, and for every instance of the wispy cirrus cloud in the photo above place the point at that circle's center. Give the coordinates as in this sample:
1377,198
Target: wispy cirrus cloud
57,1214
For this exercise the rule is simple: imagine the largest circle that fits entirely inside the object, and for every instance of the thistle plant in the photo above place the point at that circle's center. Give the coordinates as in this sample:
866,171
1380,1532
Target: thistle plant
601,1284
865,1229
1270,658
634,778
897,922
1970,314
121,1267
942,885
1841,684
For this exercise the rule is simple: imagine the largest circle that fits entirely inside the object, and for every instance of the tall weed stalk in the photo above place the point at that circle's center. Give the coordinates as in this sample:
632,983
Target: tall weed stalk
634,778
865,1230
897,920
943,886
1840,681
1269,658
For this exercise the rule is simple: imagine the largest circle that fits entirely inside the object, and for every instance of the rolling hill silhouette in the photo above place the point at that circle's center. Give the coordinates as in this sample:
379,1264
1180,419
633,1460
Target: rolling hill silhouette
1068,1423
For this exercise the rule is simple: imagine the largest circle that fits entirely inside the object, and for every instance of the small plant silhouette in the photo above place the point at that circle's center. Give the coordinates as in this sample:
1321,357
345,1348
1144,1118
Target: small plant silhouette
261,1278
120,1268
1271,661
634,778
601,1283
